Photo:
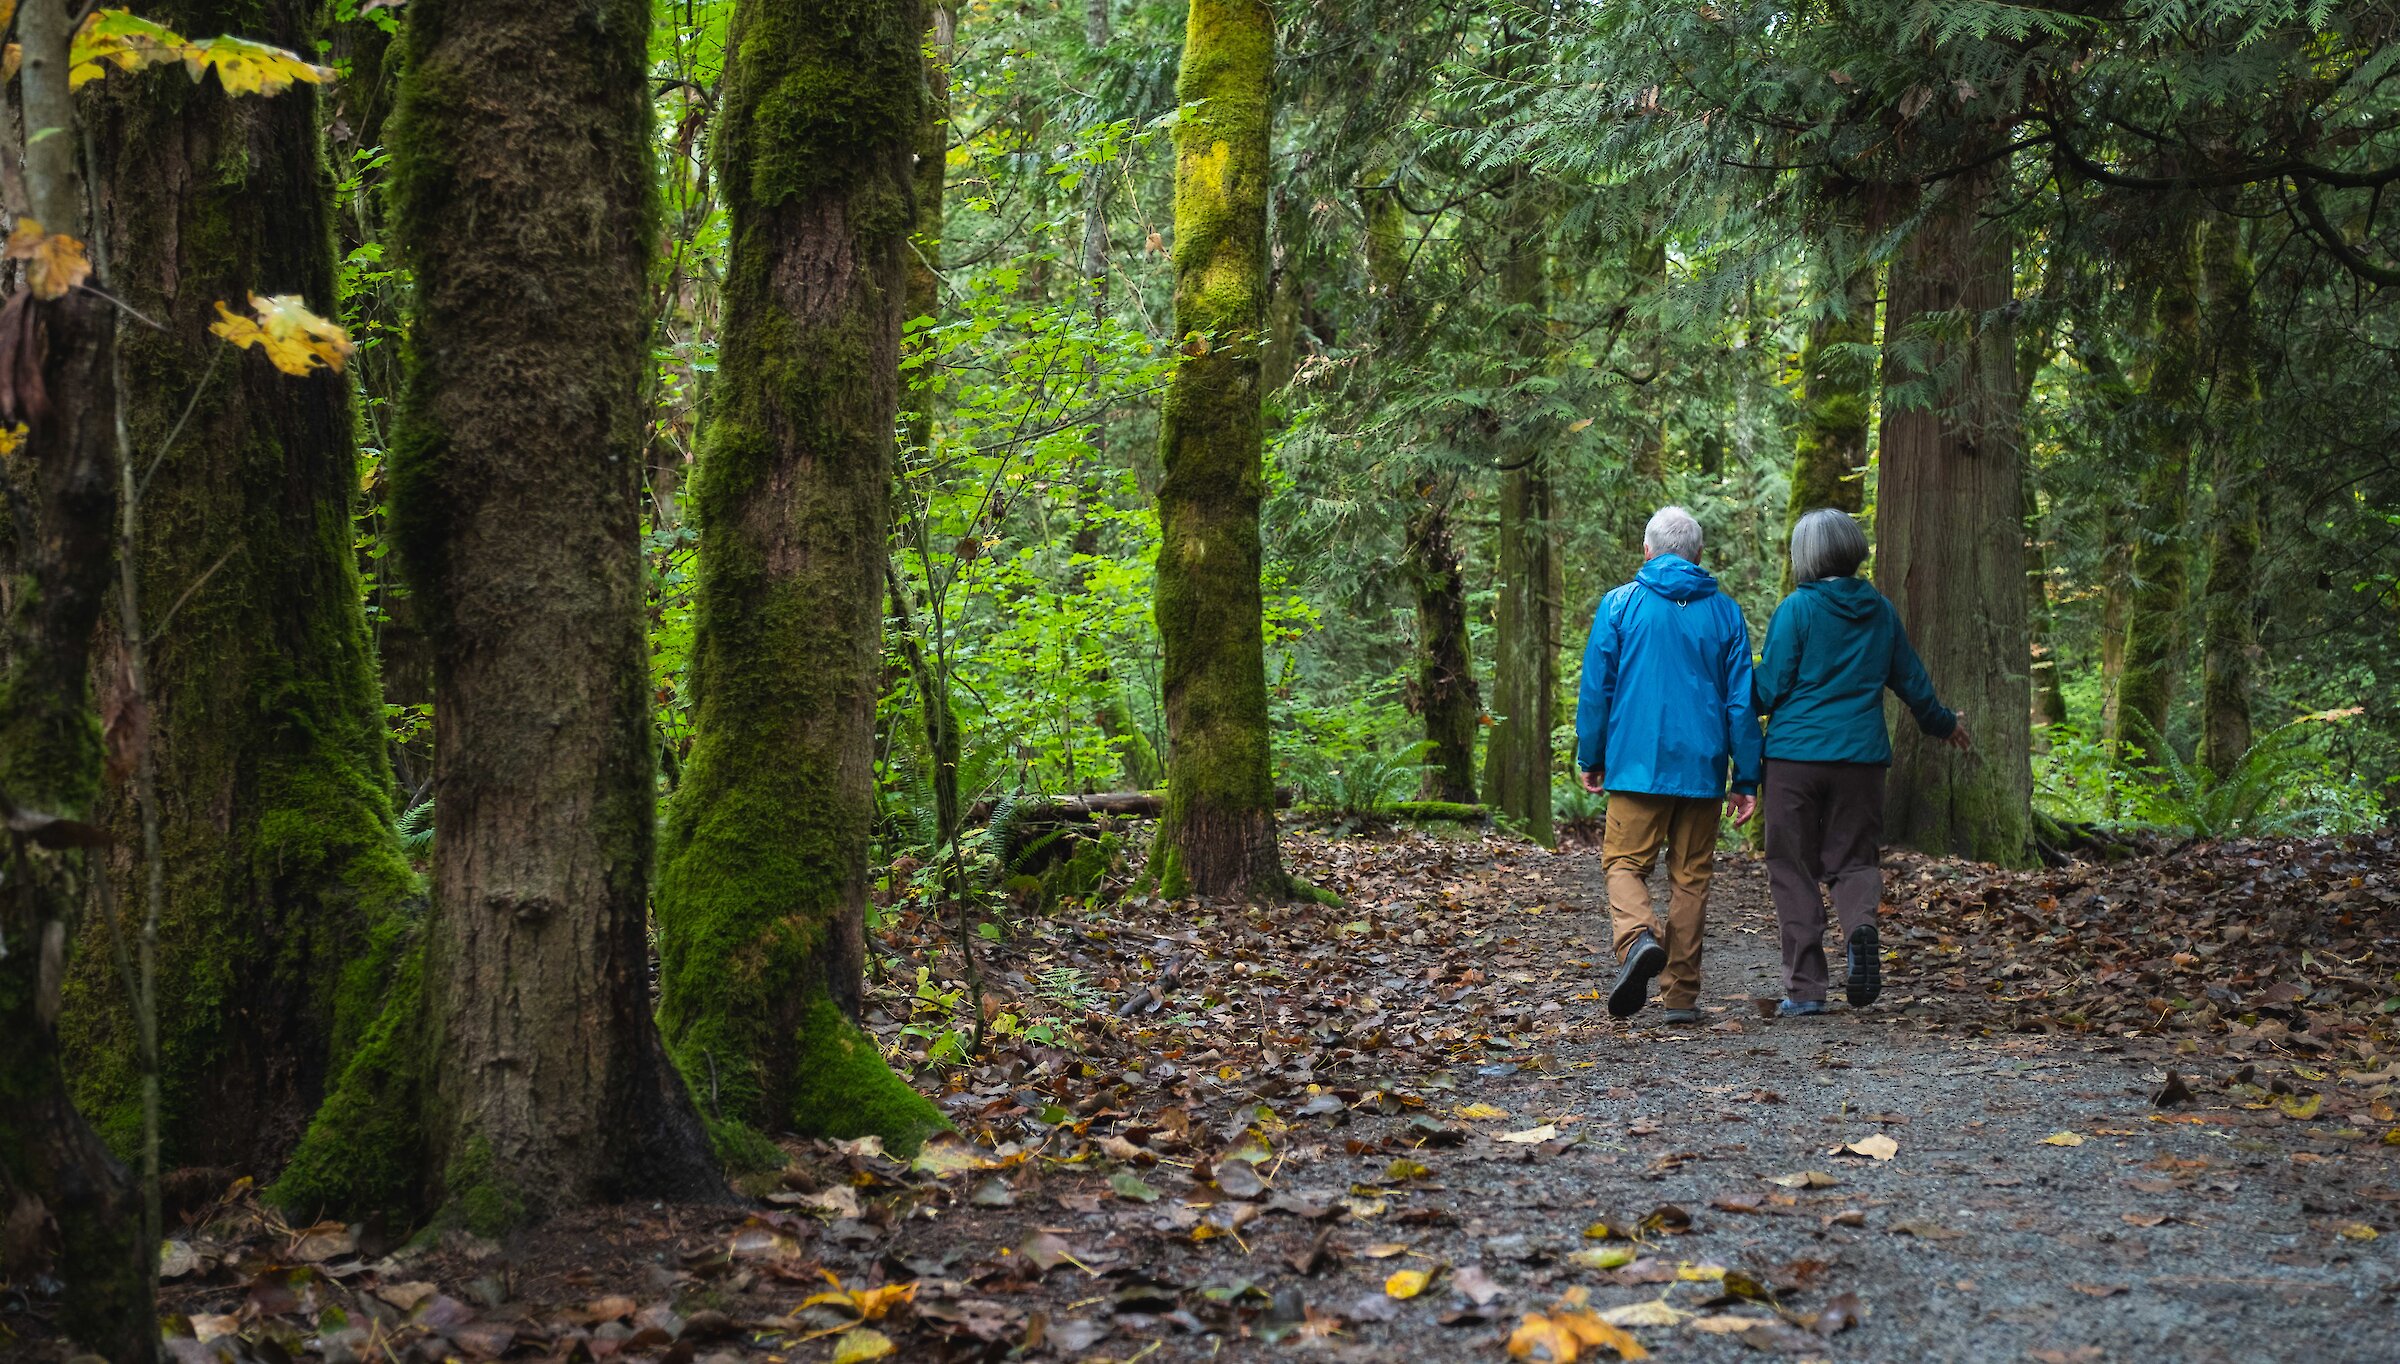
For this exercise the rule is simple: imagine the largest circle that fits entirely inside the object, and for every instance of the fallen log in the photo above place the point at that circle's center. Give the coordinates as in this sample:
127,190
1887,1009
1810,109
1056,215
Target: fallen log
1084,809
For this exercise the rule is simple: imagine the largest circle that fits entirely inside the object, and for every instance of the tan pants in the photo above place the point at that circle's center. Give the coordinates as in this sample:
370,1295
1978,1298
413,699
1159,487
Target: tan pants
1637,825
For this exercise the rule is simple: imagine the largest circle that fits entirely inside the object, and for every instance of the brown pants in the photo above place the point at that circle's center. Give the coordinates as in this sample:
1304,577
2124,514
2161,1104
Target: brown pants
1824,828
1637,824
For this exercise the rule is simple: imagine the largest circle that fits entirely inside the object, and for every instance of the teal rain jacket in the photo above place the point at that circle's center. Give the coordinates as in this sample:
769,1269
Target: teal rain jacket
1666,687
1832,648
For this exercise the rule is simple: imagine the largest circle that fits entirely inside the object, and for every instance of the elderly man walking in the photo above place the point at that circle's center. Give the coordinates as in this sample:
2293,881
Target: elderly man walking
1665,708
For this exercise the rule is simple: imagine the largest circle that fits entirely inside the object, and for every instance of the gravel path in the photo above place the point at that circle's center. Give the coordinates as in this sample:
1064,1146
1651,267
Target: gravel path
2216,1234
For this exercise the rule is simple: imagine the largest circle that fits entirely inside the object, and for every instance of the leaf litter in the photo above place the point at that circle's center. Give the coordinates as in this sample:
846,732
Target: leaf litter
1202,1125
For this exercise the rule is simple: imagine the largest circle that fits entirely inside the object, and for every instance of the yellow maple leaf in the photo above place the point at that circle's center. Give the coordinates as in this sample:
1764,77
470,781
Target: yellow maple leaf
294,338
867,1304
1406,1283
861,1345
1542,1340
244,67
55,261
114,37
1589,1329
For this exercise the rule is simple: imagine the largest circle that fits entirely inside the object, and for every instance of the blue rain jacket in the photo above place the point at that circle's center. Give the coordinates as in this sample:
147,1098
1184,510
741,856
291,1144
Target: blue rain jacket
1666,687
1832,648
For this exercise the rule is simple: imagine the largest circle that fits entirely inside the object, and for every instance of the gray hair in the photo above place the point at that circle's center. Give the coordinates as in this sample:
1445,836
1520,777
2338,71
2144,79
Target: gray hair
1673,531
1827,543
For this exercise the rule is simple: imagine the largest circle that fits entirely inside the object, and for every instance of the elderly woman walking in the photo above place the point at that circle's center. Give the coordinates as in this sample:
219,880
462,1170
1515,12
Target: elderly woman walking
1833,647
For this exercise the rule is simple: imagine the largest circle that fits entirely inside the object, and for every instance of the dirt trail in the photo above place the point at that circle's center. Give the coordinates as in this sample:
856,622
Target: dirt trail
1269,1112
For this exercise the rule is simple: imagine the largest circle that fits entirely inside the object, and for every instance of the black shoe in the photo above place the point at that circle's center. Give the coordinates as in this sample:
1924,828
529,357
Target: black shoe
1866,967
1644,960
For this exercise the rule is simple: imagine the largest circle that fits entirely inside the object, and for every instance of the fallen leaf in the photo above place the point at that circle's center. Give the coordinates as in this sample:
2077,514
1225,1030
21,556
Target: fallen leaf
2063,1139
1532,1135
860,1345
1406,1283
1479,1112
2145,1219
1839,1315
208,1328
1384,1250
1127,1184
2098,1290
1403,1169
866,1304
2357,1231
406,1296
1805,1179
1724,1325
1542,1340
1878,1147
1600,1330
2299,1107
1479,1287
1649,1312
1606,1257
946,1155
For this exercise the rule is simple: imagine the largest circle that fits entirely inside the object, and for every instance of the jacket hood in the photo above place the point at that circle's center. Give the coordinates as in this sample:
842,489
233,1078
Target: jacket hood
1676,578
1850,598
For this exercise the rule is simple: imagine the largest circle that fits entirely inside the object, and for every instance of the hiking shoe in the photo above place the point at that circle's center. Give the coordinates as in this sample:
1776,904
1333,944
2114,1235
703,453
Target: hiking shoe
1642,961
1680,1016
1866,966
1800,1008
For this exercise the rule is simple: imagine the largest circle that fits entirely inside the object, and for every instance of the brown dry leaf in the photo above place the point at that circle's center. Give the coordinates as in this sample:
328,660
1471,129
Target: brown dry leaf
323,1241
1532,1135
1384,1250
2145,1219
54,261
1876,1147
406,1296
1805,1179
1479,1287
1649,1312
208,1328
2098,1290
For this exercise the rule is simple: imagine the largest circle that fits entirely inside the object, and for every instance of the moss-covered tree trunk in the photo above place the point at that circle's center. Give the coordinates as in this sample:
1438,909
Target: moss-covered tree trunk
2229,632
1829,459
762,895
283,878
2162,546
517,1070
1447,699
1217,836
1517,758
1950,547
60,498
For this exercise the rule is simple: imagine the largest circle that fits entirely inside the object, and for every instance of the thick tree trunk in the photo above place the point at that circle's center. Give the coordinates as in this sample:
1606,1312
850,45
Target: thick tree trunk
1951,545
762,896
60,498
1218,835
283,879
522,1042
1447,699
1517,757
2229,634
2162,546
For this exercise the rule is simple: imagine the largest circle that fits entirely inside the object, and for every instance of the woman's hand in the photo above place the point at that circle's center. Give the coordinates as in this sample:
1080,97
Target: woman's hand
1591,781
1958,737
1741,807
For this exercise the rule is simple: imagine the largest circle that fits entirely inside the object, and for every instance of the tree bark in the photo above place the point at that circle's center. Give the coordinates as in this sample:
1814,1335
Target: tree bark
2162,547
2229,632
284,883
1218,834
762,898
522,1040
1951,546
60,496
1517,758
1447,698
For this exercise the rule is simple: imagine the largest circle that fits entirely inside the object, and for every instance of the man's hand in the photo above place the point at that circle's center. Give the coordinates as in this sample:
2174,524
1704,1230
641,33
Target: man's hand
1743,807
1591,781
1958,737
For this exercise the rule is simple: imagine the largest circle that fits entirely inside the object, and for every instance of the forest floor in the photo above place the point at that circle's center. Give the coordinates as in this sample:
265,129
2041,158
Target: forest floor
1406,1129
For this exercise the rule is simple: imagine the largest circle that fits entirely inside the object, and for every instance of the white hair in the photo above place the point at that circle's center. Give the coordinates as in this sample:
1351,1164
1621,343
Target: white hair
1827,543
1673,531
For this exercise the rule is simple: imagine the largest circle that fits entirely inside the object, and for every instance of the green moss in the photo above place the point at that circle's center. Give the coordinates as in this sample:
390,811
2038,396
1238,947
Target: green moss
478,1196
1439,809
845,1090
364,1152
1314,894
743,1149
